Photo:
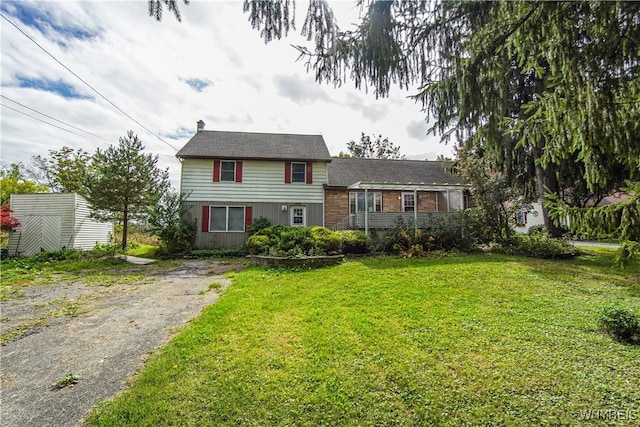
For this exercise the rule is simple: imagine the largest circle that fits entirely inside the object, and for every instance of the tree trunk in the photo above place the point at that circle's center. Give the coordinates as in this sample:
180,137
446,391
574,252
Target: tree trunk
125,227
546,182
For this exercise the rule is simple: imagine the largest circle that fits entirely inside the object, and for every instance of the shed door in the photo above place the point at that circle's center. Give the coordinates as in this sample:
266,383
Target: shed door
40,233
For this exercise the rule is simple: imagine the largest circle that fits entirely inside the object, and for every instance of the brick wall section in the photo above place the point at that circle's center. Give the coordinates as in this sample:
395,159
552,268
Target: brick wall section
392,201
336,206
427,201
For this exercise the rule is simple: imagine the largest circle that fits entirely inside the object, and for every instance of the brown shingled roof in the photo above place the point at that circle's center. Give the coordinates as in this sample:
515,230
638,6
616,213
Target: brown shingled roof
344,172
248,145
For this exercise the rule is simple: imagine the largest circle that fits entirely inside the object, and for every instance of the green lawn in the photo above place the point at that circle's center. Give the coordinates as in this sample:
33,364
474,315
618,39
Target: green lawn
463,340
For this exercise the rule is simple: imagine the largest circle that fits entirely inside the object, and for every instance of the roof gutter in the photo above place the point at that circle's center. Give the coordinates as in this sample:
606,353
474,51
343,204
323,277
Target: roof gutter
408,186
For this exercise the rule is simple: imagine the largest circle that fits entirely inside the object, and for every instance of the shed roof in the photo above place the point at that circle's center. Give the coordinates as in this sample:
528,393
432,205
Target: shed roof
345,172
248,145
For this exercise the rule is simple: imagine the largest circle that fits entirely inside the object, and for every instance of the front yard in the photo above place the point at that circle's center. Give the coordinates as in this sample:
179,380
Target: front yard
462,340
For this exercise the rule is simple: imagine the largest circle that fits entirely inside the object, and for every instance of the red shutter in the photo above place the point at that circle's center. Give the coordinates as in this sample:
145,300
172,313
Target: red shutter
309,173
238,171
287,172
248,211
216,170
205,218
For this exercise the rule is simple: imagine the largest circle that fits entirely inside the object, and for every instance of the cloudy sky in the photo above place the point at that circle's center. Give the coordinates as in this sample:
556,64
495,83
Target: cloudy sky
81,74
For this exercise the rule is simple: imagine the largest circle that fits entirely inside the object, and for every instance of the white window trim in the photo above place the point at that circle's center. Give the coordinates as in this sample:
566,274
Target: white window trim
226,230
304,215
304,178
377,196
404,205
234,171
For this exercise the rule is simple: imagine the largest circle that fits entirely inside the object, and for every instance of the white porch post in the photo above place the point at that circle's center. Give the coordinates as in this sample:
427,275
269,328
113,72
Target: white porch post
415,210
366,212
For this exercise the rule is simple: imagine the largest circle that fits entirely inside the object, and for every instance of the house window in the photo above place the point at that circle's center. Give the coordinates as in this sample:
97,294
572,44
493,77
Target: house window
521,218
226,218
298,216
227,171
455,202
408,202
298,172
357,202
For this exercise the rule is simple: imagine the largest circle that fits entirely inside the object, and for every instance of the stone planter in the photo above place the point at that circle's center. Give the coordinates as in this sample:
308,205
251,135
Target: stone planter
296,262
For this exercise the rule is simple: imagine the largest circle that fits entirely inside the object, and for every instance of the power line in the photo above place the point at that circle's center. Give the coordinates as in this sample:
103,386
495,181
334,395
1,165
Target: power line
87,84
40,120
53,118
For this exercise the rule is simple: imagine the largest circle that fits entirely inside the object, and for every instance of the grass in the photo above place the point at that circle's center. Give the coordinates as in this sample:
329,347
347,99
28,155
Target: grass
463,340
143,250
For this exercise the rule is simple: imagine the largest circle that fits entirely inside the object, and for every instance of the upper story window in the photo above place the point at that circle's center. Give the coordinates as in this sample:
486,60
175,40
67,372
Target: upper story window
227,171
298,172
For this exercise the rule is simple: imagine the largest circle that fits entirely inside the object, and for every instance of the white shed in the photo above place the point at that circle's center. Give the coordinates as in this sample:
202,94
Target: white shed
52,221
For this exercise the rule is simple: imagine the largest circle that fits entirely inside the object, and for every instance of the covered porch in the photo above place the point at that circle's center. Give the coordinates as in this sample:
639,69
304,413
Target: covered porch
449,202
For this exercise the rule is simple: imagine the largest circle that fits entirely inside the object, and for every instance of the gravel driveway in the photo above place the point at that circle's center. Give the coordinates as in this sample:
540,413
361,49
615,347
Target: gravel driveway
103,344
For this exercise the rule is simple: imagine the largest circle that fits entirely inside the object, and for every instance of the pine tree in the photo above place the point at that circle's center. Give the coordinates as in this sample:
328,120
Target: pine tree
124,183
547,92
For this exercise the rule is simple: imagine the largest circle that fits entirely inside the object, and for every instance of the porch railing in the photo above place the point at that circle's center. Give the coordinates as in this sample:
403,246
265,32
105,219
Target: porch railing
386,220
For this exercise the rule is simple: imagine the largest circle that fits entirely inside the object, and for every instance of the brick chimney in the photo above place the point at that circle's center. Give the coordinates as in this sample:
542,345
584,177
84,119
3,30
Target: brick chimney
200,124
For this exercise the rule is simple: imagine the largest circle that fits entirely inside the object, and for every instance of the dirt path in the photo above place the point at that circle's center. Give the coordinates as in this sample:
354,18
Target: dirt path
103,345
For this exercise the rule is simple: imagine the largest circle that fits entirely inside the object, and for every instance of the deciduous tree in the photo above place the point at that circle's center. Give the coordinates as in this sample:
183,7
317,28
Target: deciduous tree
7,221
124,183
64,169
166,221
374,147
13,181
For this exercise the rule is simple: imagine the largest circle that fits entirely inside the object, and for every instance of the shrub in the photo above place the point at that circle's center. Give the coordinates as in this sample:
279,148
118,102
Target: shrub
411,244
325,241
258,244
536,246
59,255
449,233
178,238
354,242
258,224
621,323
294,241
537,229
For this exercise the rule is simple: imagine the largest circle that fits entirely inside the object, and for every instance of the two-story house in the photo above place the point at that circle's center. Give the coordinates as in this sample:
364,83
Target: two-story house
232,177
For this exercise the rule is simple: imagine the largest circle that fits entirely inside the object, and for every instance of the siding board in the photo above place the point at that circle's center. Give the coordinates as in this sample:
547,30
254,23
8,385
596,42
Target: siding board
272,211
262,181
